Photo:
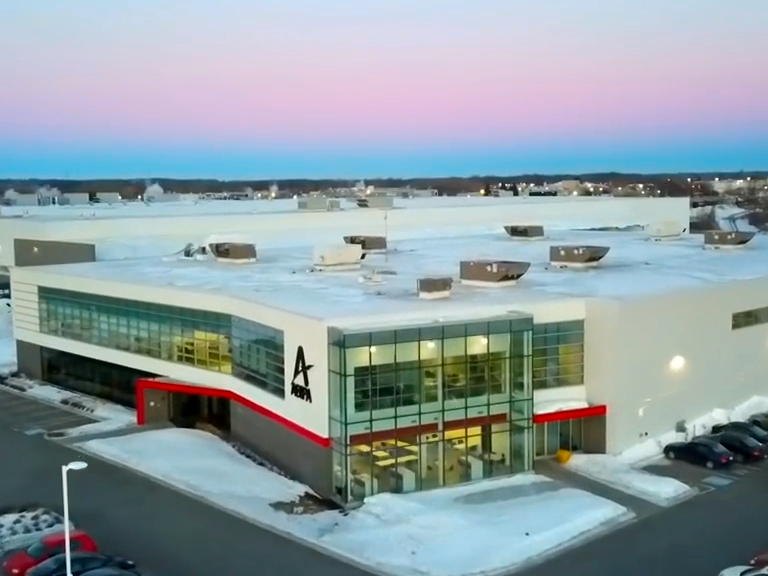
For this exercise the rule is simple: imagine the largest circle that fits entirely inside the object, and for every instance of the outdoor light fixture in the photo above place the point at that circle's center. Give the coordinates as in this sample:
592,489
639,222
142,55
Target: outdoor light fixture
76,465
677,363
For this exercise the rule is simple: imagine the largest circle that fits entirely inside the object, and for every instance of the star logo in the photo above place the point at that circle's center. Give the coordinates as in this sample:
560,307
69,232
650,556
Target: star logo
300,389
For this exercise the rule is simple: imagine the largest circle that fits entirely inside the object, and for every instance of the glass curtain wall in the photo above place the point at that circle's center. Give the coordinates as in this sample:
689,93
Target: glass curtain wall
558,354
205,340
418,408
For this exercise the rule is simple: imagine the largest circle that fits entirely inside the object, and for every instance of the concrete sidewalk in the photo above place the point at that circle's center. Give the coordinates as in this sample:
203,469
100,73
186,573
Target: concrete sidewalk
552,469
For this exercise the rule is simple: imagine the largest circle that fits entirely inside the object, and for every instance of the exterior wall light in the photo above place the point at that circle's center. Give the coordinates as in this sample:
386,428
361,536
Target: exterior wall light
677,363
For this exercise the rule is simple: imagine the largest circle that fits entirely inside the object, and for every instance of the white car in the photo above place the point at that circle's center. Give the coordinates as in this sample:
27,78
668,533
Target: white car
744,571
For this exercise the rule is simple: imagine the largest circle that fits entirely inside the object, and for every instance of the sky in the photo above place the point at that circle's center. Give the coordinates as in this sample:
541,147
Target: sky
237,89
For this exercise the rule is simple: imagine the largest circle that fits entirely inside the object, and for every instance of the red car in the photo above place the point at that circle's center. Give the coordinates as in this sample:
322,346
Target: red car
759,561
19,562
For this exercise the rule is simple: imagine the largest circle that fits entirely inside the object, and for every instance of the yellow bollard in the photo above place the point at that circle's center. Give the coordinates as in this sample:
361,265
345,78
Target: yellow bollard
563,456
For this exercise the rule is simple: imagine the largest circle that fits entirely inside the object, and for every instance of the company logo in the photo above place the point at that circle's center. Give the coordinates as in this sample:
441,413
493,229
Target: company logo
300,382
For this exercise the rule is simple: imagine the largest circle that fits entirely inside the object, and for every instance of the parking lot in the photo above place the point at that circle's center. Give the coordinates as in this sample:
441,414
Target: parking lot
30,416
703,479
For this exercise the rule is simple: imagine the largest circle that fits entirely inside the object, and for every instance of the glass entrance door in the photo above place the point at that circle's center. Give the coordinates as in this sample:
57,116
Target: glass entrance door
553,436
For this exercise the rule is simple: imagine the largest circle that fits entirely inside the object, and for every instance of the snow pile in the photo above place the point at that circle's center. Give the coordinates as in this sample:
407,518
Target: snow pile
558,406
612,472
733,219
477,528
14,525
652,448
111,416
7,343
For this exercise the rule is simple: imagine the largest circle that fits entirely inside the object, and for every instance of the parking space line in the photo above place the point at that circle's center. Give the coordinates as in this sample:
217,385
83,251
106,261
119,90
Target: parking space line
718,481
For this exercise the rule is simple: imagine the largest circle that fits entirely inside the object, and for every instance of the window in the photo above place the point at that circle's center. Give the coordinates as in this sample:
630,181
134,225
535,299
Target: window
558,354
749,318
206,340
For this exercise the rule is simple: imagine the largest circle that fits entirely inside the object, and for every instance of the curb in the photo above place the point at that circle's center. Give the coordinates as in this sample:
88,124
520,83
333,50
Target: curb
576,542
325,550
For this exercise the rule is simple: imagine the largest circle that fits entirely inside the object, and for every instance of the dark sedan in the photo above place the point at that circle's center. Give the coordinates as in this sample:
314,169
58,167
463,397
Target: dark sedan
82,562
743,427
760,420
744,447
700,451
111,571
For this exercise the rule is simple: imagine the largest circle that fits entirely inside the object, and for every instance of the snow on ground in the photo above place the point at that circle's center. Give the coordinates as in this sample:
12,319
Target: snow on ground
611,471
646,451
477,528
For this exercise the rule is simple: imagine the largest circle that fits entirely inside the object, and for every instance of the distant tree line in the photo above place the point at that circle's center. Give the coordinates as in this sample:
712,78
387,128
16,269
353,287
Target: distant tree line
668,184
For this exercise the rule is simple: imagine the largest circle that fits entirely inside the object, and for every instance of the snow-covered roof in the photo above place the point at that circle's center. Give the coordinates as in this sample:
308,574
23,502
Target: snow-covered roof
207,208
283,277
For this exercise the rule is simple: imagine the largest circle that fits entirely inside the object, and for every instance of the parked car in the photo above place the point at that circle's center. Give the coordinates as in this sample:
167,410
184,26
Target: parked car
111,571
744,447
701,451
18,563
760,420
81,562
743,571
759,561
745,428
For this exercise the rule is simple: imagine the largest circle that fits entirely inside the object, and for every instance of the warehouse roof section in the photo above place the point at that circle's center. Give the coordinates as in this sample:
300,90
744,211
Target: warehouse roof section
386,283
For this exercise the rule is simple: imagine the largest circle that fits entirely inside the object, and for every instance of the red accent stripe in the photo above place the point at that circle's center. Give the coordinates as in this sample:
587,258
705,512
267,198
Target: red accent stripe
143,384
588,412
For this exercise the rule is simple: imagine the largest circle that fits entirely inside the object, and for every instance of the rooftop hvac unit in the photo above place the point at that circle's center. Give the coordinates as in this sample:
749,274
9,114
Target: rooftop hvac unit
666,230
525,232
577,256
369,244
434,288
376,202
312,203
232,252
724,240
338,257
334,204
492,273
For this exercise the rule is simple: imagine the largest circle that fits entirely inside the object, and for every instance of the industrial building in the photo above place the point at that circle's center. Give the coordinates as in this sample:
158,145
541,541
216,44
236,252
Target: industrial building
445,345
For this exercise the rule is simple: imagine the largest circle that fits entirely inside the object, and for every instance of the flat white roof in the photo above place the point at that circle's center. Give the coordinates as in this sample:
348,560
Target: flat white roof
284,278
206,208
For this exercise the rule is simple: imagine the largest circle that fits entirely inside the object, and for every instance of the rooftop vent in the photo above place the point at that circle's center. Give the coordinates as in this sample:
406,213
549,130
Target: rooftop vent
233,252
376,202
716,239
576,256
369,244
313,203
666,230
526,232
492,272
338,257
434,288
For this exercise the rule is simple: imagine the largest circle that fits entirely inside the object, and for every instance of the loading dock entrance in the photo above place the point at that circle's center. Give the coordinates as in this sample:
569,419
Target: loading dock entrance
183,406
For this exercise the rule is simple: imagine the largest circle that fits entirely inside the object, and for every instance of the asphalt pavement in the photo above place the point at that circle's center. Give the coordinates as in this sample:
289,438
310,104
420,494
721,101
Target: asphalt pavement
701,536
170,534
165,532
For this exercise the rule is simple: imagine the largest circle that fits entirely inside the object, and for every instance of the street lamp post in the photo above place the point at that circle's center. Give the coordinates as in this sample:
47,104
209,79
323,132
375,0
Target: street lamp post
76,465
